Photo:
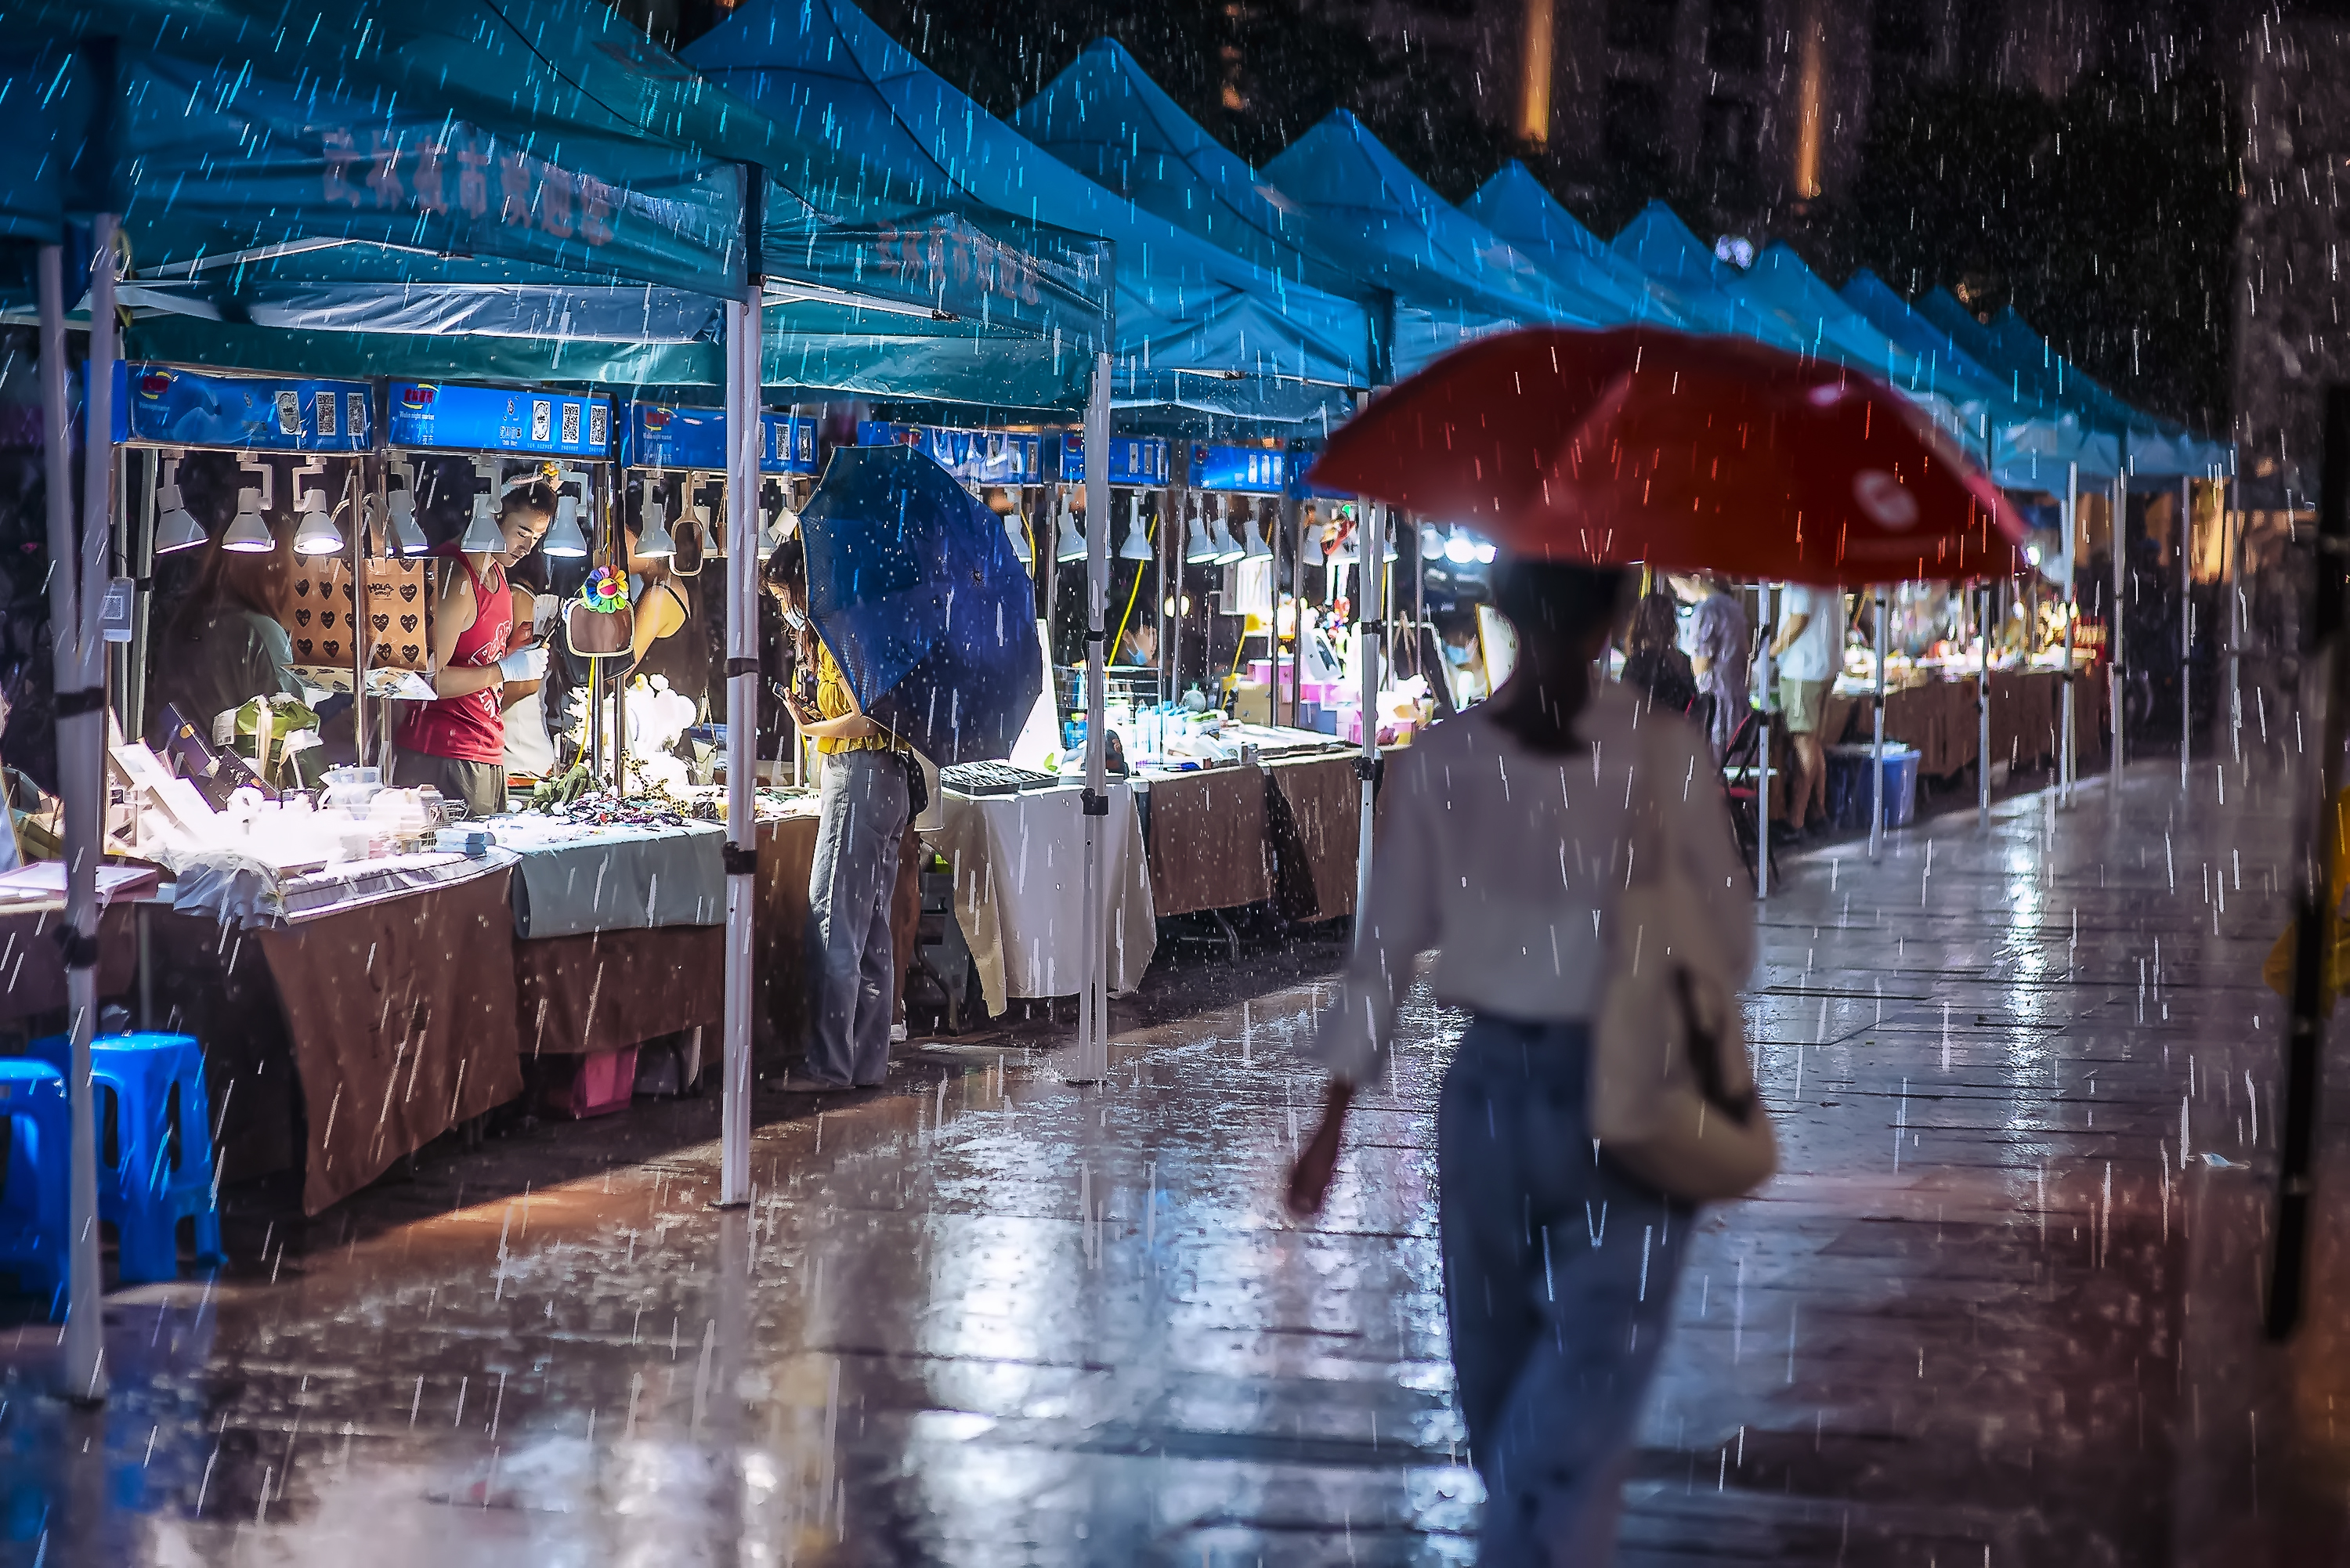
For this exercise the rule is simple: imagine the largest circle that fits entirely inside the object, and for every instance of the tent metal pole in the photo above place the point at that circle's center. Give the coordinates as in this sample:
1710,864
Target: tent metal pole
1769,693
1369,551
77,579
2067,760
2235,568
2115,677
1093,1004
2186,622
743,445
1982,710
1876,742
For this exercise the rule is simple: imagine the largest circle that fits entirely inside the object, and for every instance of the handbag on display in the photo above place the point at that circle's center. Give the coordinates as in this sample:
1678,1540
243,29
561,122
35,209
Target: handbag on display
599,623
1672,1091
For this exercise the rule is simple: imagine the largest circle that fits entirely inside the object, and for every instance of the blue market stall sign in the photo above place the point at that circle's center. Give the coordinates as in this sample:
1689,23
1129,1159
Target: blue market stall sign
1242,469
1133,460
977,457
662,435
429,414
166,406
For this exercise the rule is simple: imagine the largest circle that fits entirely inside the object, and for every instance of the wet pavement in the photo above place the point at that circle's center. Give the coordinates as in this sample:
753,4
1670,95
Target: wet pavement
2000,1308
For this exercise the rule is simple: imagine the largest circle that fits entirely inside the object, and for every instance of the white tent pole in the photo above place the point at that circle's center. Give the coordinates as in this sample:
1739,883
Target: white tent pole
1092,1005
2067,759
2186,622
2235,543
2114,648
1982,710
742,451
1877,743
1769,705
1370,542
77,579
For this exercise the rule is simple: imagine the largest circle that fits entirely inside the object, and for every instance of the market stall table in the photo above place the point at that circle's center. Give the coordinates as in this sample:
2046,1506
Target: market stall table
617,930
1018,862
1937,716
380,1017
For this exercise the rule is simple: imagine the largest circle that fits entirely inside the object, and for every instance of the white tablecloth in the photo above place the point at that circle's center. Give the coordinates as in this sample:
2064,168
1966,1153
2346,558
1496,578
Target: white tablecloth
1019,883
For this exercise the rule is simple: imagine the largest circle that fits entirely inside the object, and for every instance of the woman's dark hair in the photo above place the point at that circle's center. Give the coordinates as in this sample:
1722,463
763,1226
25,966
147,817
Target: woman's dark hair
1656,625
786,564
1548,599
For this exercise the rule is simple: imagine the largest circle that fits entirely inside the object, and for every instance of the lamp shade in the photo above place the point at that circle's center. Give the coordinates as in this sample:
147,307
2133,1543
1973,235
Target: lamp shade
1199,549
406,537
248,535
1016,529
481,535
655,543
1072,543
564,538
1138,540
315,533
176,527
1252,544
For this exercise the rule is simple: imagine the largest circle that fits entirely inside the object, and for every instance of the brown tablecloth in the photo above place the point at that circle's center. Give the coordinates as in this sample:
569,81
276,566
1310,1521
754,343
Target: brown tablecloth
609,990
400,1014
32,966
1208,848
779,918
1938,717
1315,814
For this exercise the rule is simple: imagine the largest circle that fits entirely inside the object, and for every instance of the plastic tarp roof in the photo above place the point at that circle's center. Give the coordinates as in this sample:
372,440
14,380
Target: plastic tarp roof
1516,206
529,169
1457,277
2152,447
1705,291
1104,116
1197,328
2031,444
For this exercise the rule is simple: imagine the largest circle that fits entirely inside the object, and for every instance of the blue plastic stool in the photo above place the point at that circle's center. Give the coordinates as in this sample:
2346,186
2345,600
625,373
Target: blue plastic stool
34,1196
152,1184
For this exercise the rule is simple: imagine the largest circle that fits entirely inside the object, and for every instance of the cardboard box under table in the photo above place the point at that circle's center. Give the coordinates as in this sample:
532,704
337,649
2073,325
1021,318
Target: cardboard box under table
619,933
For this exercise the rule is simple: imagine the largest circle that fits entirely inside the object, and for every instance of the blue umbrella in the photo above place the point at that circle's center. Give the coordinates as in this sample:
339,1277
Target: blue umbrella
913,585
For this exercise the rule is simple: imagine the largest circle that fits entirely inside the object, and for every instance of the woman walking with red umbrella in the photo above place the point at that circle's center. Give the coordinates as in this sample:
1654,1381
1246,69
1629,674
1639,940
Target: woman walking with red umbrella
1508,837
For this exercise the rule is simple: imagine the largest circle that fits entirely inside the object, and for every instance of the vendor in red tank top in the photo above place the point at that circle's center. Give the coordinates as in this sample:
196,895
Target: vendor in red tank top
457,745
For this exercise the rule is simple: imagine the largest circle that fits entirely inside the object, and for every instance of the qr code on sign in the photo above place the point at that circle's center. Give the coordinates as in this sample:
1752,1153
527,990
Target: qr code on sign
325,405
571,424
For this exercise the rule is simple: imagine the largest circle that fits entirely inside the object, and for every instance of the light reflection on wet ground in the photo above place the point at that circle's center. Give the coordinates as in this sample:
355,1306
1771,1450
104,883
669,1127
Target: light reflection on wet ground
985,1317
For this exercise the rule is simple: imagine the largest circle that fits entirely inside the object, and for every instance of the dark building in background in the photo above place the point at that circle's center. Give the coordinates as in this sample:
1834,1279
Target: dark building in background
2294,107
1755,106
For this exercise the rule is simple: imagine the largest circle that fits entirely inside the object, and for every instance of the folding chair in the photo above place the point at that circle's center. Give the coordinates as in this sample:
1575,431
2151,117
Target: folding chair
1741,785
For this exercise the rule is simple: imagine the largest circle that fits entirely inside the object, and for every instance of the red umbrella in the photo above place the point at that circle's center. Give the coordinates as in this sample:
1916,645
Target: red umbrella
1647,445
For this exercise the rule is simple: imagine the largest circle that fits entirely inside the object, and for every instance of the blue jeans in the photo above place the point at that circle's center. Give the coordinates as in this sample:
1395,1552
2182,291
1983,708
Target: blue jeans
1559,1280
851,965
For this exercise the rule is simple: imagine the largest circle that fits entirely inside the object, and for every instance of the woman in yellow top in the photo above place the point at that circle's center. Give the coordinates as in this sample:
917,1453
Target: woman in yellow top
851,960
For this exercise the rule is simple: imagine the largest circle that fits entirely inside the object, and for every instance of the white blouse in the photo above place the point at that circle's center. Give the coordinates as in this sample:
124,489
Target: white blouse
1507,862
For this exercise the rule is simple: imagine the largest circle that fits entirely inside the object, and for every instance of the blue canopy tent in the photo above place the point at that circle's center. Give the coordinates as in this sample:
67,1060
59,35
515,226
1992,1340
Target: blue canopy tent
1699,286
2033,446
518,183
1104,115
1199,331
1516,206
514,188
1453,277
